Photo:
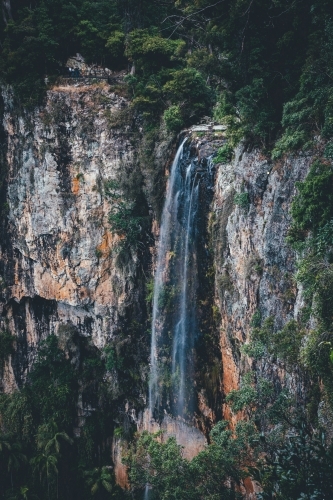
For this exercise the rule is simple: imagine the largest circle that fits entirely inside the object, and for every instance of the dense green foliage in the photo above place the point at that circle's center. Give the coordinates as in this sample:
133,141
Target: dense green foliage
224,154
6,345
312,209
212,474
41,457
242,199
311,233
267,65
276,447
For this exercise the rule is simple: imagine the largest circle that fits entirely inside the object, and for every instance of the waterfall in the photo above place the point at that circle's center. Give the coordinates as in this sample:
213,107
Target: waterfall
174,322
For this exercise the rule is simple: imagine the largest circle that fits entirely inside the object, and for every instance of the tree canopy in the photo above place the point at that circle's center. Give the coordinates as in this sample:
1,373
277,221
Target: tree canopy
264,66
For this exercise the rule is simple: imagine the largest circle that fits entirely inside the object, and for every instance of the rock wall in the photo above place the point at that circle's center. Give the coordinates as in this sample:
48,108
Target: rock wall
57,263
254,265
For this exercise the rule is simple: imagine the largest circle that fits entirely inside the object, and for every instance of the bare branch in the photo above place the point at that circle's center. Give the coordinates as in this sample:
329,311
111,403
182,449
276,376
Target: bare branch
183,19
287,10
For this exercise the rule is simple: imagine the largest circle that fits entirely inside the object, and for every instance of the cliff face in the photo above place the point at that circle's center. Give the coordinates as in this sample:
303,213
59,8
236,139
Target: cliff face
58,258
254,264
58,265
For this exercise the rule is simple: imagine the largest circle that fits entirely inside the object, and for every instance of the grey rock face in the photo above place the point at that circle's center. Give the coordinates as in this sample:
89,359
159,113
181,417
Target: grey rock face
254,264
56,250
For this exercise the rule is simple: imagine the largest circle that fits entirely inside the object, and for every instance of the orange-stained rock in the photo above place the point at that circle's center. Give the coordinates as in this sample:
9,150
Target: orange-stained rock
76,185
59,252
108,240
120,470
253,262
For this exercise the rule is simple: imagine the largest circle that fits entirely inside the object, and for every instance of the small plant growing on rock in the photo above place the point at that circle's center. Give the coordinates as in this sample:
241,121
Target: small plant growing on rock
255,349
224,154
80,177
256,319
128,216
98,253
225,283
6,345
150,291
242,200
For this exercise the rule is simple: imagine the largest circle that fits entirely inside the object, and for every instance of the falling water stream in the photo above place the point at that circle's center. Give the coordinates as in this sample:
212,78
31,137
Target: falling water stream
174,325
174,318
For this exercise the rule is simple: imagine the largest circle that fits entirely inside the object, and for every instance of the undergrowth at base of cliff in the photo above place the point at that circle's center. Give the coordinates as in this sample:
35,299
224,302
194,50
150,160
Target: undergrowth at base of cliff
276,447
48,449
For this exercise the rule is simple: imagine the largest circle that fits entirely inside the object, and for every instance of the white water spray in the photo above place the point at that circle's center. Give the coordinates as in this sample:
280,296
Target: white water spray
167,222
174,302
174,315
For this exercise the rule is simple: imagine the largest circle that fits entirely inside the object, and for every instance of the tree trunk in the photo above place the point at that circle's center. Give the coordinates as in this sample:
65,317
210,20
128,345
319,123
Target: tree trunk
6,11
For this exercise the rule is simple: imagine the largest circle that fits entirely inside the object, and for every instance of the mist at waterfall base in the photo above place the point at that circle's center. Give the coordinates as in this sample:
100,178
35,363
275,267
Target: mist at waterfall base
174,322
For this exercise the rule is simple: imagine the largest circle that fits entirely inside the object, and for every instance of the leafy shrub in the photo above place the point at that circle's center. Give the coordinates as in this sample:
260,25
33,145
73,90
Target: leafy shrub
116,44
224,282
123,222
112,360
290,141
260,338
6,345
224,154
256,319
312,207
150,50
254,265
87,33
128,215
150,291
246,396
187,86
255,349
173,118
264,332
328,153
255,111
287,342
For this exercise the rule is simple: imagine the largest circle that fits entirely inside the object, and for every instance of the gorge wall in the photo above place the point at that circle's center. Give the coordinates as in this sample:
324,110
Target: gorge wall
255,267
58,255
57,269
